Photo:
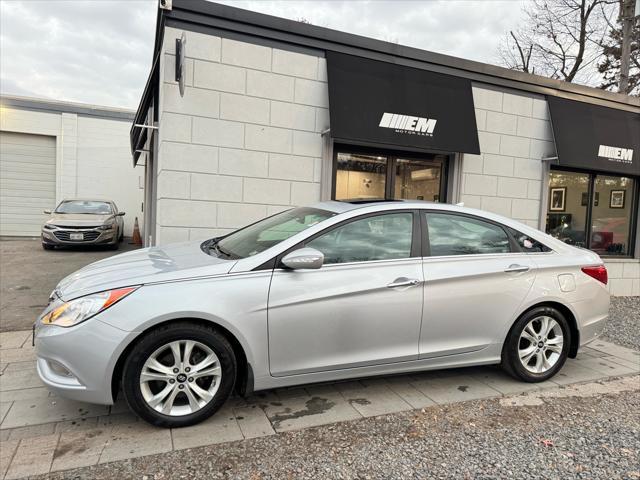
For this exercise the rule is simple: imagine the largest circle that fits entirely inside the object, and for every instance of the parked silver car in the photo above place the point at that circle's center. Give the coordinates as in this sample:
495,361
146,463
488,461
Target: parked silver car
333,291
83,222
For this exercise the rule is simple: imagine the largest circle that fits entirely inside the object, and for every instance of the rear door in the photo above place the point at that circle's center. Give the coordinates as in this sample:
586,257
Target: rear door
362,307
475,281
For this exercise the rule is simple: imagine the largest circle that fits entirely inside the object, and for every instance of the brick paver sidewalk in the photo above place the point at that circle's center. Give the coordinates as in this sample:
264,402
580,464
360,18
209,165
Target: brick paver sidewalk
40,432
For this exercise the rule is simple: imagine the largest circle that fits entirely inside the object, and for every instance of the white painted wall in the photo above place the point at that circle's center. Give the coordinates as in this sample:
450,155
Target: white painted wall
92,156
244,142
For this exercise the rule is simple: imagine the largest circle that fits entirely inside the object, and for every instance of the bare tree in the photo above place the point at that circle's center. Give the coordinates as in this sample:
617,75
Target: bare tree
610,65
560,38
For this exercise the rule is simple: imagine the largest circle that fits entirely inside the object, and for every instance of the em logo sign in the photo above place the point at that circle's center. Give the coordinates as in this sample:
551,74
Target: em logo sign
408,123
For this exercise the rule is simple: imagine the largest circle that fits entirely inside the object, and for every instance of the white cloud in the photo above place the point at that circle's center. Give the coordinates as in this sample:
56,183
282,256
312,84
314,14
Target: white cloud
99,51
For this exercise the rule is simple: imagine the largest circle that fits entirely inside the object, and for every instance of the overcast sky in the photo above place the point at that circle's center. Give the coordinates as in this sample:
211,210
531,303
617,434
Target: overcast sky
99,51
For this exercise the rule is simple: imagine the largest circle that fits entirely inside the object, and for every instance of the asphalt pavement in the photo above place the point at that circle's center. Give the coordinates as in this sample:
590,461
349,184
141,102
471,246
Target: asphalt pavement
29,274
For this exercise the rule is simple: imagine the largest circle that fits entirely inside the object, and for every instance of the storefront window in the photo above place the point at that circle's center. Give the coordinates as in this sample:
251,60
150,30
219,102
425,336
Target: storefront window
360,176
417,180
367,176
567,209
591,211
611,217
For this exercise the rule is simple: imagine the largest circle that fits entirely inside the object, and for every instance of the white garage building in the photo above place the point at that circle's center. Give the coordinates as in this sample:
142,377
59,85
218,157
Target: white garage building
53,150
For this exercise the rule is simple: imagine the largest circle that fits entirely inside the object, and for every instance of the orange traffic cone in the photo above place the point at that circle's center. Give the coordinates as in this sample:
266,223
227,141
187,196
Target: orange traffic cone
137,239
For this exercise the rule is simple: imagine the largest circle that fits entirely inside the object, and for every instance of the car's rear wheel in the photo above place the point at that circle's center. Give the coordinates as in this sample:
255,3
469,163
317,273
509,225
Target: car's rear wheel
537,345
179,374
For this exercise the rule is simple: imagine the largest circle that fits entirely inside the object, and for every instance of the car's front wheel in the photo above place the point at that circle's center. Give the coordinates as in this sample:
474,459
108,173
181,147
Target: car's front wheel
537,345
179,374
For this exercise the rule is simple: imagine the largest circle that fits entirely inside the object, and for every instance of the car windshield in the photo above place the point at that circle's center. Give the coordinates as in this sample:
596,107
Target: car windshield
84,206
266,233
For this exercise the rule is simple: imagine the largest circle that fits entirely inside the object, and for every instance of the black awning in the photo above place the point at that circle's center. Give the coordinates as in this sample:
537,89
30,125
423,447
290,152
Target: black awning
595,137
384,103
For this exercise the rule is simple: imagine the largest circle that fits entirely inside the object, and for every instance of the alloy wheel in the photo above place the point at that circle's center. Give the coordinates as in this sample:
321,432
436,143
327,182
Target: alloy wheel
540,344
180,377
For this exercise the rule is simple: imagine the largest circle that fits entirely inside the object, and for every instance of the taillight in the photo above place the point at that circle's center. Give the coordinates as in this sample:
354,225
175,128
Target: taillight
599,273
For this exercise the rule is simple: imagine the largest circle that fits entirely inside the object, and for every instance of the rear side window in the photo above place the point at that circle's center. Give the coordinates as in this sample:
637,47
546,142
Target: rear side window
451,234
528,244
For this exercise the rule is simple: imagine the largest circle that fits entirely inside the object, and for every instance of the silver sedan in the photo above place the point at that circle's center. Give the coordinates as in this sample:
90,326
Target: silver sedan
333,291
83,222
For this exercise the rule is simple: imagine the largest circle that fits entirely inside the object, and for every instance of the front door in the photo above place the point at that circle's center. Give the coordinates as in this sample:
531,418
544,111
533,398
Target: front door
474,284
368,174
363,307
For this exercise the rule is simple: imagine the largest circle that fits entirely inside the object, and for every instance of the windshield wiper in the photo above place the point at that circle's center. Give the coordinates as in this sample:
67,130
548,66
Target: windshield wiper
224,252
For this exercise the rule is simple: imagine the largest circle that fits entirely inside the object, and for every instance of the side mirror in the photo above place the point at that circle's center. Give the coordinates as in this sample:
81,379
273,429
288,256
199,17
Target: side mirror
304,258
120,214
47,212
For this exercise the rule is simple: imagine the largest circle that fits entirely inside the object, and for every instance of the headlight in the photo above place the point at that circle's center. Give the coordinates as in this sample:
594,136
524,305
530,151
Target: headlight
49,227
109,226
78,310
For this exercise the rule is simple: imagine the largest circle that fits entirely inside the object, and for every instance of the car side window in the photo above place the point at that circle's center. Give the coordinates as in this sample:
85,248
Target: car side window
380,237
451,234
528,244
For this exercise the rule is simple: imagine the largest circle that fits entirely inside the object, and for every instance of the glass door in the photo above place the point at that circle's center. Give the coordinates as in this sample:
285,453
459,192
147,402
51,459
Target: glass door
368,174
417,180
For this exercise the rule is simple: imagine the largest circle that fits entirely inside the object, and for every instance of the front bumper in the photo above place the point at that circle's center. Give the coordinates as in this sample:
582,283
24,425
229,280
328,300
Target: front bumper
78,362
90,236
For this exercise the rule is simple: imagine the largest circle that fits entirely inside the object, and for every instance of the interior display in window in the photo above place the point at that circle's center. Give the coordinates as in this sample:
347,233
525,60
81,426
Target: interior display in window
567,217
611,220
370,174
574,197
417,180
617,199
360,176
557,198
585,199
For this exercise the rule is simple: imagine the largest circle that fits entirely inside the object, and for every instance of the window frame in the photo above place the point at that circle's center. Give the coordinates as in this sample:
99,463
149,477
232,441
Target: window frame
635,194
416,240
391,157
514,247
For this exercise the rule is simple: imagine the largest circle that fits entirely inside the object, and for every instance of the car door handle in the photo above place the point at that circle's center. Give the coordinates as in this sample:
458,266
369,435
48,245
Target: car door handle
403,282
514,267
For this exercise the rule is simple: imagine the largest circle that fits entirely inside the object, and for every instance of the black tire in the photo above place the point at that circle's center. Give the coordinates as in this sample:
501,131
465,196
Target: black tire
46,246
114,246
156,339
510,358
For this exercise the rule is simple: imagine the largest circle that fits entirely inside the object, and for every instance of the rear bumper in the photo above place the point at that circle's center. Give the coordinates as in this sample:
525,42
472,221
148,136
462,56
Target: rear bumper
592,315
592,330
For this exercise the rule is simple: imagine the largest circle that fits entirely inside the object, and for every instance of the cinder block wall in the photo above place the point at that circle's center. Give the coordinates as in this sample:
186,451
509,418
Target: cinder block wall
624,277
515,134
244,142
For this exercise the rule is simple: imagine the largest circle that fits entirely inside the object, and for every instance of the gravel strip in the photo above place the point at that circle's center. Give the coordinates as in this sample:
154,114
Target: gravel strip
569,437
623,326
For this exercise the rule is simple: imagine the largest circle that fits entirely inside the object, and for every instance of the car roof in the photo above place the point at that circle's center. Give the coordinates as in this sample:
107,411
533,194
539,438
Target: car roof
341,206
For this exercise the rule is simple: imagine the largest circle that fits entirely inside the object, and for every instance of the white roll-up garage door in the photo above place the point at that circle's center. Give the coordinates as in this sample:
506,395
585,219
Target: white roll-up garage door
27,182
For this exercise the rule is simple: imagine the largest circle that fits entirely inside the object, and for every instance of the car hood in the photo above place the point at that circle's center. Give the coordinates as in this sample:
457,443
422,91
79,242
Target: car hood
78,219
155,264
